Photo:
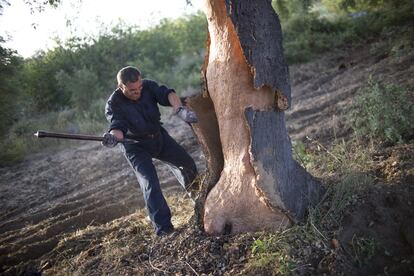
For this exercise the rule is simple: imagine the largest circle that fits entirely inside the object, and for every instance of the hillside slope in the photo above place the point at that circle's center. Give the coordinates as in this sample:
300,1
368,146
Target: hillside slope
79,210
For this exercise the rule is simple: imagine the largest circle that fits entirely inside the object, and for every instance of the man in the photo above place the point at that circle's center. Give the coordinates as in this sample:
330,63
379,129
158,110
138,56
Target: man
132,111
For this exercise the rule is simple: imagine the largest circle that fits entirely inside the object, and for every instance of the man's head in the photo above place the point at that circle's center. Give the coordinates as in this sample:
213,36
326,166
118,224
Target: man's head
130,82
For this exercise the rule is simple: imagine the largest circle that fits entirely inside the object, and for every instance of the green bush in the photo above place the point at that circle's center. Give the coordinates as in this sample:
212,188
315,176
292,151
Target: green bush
20,140
313,27
385,112
83,86
12,151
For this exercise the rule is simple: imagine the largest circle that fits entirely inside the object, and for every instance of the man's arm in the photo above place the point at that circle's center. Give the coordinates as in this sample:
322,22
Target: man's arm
183,112
174,101
117,133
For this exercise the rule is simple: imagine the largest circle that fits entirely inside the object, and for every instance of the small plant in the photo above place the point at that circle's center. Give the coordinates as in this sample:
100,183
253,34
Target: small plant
301,155
363,249
385,112
273,251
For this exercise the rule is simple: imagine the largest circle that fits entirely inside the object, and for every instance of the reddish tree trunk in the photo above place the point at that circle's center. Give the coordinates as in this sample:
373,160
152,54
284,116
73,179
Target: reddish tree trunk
252,182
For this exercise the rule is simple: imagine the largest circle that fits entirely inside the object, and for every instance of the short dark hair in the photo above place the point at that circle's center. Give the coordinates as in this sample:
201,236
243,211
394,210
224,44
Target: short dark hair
128,74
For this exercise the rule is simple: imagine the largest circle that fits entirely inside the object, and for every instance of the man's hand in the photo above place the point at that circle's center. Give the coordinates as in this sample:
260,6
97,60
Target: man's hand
109,140
186,115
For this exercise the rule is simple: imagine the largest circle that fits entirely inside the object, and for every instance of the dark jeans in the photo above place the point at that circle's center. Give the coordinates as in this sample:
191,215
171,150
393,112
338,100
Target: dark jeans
166,149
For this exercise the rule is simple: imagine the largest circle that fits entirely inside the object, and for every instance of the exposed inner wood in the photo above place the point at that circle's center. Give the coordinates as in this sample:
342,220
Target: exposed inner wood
235,203
207,133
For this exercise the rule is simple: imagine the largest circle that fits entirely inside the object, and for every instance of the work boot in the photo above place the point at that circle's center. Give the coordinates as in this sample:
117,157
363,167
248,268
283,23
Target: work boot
165,232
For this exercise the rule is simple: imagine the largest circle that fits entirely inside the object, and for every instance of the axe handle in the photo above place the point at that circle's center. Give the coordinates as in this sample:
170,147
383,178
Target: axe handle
45,134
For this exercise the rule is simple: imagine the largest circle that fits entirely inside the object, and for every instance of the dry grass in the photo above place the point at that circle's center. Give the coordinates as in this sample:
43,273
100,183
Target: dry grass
345,168
121,246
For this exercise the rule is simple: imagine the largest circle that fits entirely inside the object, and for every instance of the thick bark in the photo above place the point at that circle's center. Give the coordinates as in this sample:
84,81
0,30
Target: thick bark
283,181
260,35
247,86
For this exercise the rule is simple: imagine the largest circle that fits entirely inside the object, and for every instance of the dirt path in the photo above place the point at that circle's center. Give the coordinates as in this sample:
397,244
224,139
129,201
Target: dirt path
51,195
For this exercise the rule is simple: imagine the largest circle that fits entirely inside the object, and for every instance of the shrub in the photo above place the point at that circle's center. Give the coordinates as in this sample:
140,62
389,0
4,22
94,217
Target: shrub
83,86
12,151
20,141
383,111
313,29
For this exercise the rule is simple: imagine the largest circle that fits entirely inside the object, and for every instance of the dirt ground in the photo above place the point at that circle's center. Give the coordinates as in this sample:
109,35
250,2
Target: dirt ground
78,210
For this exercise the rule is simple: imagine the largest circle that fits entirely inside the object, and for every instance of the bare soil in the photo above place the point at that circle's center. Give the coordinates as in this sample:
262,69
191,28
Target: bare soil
79,210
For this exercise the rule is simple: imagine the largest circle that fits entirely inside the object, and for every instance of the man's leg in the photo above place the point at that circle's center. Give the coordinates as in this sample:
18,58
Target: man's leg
158,210
179,161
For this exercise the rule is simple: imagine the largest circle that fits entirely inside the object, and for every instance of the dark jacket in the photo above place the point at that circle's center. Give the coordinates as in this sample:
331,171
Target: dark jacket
140,117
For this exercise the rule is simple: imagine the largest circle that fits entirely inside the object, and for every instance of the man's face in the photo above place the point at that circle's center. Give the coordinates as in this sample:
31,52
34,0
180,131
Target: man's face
132,90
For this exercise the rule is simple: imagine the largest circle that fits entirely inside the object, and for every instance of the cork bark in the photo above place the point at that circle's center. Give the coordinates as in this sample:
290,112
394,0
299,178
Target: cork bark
255,184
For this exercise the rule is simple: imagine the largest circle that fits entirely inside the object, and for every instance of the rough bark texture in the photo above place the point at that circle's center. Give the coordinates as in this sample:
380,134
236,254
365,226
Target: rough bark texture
247,81
260,35
284,182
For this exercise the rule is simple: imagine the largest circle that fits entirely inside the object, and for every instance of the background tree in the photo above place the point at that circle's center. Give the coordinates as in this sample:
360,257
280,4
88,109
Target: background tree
10,88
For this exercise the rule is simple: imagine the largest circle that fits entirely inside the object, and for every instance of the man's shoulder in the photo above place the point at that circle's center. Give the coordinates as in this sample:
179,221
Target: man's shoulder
148,83
115,97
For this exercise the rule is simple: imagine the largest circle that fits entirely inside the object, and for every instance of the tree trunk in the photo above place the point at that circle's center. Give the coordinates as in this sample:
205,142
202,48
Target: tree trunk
252,182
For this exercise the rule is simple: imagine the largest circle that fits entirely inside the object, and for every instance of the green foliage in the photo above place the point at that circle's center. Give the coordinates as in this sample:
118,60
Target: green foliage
12,152
273,251
38,79
313,27
83,87
300,154
287,9
177,58
20,140
364,5
168,52
10,89
385,112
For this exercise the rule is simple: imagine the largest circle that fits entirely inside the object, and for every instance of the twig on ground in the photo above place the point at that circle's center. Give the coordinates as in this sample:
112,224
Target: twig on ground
195,272
149,260
317,230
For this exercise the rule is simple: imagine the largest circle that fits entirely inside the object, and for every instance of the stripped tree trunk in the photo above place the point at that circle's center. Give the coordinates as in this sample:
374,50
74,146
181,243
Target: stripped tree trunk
252,182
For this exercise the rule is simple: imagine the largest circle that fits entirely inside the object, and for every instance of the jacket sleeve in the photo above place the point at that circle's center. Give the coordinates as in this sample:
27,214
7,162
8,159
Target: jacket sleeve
160,92
115,117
